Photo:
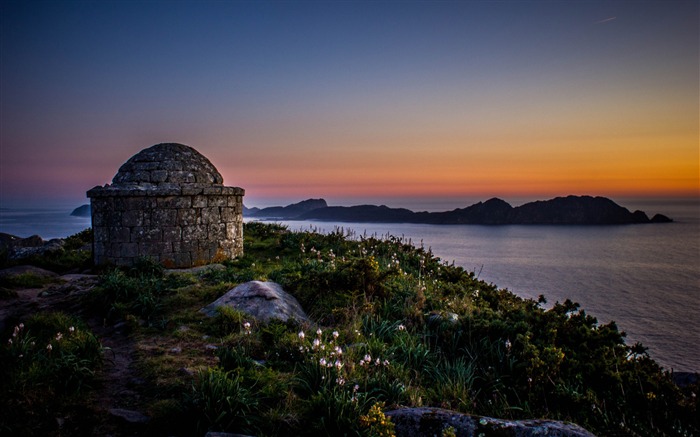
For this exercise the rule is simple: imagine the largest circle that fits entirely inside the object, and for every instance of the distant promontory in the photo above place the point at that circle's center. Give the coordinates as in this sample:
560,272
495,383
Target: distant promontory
81,211
570,210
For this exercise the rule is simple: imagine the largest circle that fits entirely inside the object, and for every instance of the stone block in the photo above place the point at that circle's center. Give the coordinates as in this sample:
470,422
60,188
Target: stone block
128,250
216,201
132,218
191,190
187,217
171,165
164,217
228,215
207,178
158,175
100,248
182,259
181,177
154,249
99,217
185,246
101,234
136,203
210,191
119,234
172,234
217,231
177,202
142,176
210,215
200,257
233,231
144,234
146,166
196,232
199,202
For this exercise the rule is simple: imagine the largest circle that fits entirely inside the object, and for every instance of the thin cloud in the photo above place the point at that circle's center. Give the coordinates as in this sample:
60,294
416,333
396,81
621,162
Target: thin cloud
605,20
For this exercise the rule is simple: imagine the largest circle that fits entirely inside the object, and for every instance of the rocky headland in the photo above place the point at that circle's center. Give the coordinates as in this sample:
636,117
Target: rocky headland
82,211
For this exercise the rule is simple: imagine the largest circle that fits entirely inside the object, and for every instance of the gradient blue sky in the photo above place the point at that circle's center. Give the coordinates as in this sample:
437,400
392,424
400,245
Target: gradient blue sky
355,100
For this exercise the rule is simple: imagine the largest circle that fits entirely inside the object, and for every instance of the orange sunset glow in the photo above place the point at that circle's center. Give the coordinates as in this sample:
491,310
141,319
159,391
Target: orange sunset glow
290,102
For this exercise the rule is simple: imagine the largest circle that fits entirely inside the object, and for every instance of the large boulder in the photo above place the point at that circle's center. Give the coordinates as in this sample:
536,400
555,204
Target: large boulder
263,300
424,422
19,248
14,272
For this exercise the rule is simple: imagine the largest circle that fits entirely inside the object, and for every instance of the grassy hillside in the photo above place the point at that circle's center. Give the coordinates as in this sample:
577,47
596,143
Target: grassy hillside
395,326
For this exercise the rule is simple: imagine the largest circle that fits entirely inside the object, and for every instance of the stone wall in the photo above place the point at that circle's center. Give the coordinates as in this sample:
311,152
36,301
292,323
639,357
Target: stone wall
178,227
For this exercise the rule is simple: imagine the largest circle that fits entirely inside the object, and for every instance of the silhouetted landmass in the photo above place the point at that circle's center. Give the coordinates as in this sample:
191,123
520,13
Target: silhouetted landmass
290,211
249,211
81,211
570,210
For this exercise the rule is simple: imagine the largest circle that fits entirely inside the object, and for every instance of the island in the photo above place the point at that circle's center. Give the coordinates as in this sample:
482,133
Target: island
569,210
82,211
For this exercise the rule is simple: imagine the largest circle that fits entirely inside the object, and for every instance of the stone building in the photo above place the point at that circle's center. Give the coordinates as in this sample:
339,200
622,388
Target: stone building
167,203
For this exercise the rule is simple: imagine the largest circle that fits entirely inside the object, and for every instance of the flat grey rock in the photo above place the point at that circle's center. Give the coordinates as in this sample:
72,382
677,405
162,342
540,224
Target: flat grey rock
22,270
427,422
130,416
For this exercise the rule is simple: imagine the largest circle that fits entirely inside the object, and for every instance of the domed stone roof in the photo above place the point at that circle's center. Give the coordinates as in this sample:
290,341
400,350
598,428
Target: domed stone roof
168,164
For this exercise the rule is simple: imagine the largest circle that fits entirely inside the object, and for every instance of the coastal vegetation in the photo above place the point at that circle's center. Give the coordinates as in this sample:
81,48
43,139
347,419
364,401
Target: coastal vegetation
394,326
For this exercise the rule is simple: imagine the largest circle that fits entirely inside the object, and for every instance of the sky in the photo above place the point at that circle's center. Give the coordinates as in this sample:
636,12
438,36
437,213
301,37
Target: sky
355,101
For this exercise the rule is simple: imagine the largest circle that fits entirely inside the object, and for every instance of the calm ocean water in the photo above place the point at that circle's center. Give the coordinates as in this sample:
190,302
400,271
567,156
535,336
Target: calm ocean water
46,222
644,277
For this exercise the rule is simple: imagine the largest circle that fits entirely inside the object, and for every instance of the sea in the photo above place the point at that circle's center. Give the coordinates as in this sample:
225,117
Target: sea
645,277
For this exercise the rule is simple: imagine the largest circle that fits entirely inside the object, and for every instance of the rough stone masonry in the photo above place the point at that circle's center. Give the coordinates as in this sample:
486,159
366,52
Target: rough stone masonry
167,203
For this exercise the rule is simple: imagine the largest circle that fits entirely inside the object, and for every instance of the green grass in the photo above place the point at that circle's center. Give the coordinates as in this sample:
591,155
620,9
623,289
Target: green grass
394,326
46,364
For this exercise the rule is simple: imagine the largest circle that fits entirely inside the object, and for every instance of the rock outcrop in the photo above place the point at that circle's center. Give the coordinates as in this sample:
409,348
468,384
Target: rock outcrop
428,422
262,300
12,272
20,248
81,211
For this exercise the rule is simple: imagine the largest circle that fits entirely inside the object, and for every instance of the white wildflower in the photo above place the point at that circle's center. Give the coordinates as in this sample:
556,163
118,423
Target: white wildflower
301,335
